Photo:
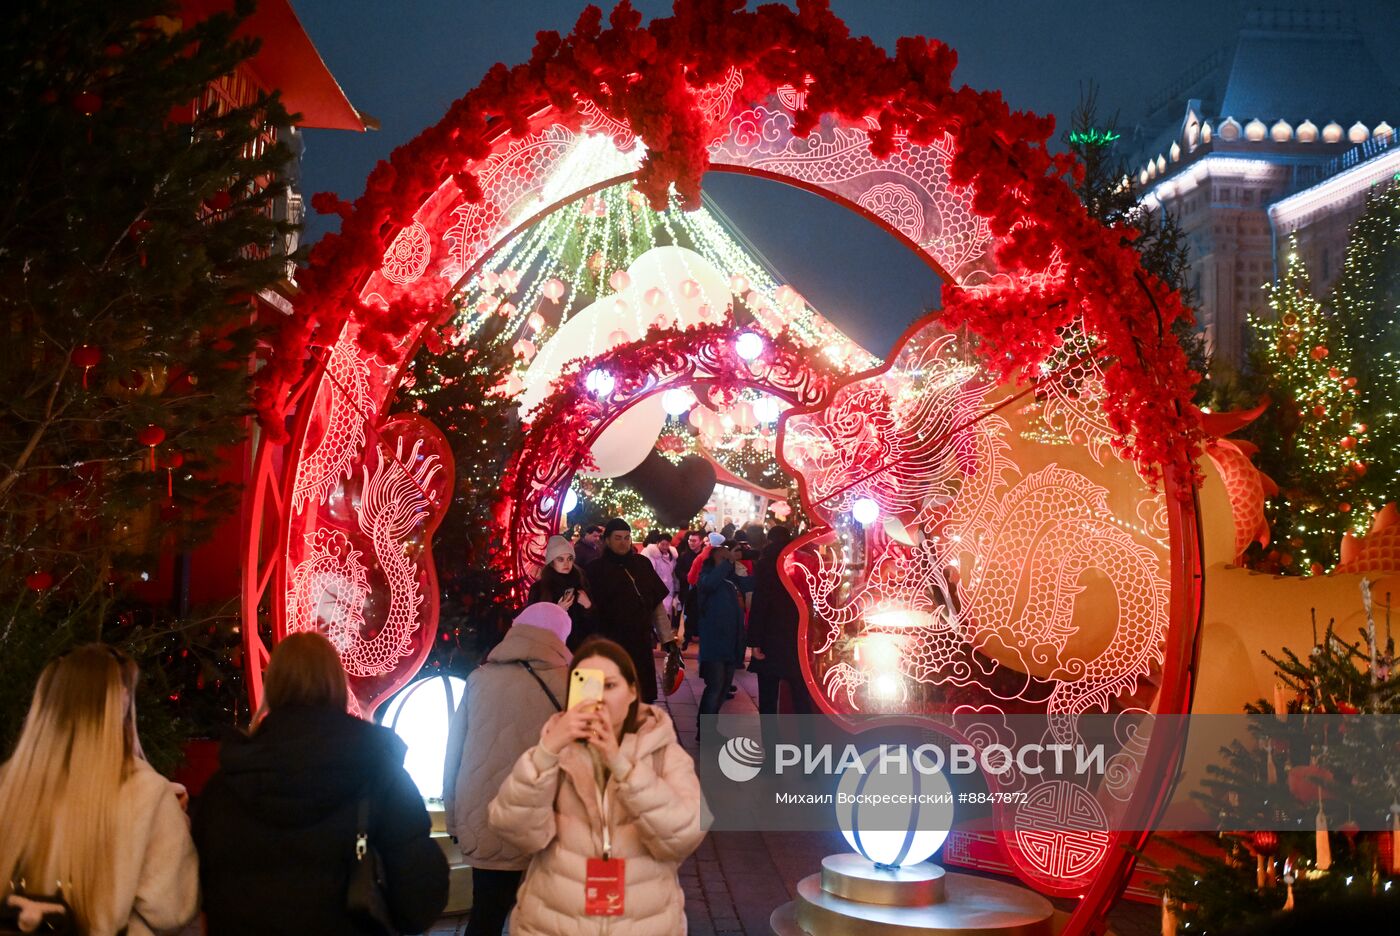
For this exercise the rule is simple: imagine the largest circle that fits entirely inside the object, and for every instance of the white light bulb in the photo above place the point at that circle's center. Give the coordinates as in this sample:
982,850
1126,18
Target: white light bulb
599,382
748,346
866,510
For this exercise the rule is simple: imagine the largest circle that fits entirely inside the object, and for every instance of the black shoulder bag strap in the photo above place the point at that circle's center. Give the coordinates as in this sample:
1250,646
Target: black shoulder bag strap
547,691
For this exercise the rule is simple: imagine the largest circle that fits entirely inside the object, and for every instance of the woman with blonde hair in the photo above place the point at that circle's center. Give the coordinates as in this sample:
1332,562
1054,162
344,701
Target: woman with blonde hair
85,817
277,825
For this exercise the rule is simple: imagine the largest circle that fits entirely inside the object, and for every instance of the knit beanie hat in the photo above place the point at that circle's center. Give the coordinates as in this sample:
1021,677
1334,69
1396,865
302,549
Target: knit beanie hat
716,539
616,524
546,615
556,547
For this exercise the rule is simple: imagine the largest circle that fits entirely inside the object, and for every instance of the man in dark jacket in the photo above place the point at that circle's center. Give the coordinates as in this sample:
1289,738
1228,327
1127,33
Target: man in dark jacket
773,632
276,828
628,599
589,546
685,595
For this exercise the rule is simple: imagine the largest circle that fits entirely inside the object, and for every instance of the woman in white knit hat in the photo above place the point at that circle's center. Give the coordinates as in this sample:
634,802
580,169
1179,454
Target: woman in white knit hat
562,582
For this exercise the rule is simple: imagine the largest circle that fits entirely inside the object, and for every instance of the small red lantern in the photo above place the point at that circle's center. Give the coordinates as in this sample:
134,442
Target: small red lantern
1319,352
1264,842
39,581
219,201
87,103
87,357
150,437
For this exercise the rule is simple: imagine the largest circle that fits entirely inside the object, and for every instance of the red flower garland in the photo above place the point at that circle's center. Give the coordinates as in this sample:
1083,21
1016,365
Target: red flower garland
646,76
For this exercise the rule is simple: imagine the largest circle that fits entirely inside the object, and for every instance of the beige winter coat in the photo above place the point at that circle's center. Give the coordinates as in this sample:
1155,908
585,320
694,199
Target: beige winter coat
549,806
157,871
503,709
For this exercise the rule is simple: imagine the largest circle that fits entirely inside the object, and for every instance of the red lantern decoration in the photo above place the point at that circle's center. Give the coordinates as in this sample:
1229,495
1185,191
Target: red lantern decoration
150,437
87,103
1334,373
1319,352
39,581
87,357
219,201
1264,842
1348,443
1309,782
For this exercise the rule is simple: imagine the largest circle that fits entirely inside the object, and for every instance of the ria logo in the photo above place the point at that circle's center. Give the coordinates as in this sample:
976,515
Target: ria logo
741,759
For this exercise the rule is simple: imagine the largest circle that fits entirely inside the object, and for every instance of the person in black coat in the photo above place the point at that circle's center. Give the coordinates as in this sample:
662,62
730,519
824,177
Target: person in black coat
685,595
773,632
628,600
276,826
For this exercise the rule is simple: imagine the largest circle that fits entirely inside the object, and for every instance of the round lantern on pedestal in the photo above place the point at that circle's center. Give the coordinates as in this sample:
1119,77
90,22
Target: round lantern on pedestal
419,715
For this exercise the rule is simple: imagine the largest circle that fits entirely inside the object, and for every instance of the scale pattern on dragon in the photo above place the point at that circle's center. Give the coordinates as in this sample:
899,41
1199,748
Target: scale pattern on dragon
926,443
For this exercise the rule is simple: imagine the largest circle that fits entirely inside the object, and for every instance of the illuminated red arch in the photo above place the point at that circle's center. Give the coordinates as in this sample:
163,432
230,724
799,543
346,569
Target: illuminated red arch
953,172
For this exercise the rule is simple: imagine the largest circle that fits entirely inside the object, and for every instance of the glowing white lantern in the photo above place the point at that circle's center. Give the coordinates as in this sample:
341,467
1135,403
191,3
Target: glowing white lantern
677,402
738,285
911,823
619,281
866,510
599,382
748,346
767,409
553,289
653,297
419,715
570,501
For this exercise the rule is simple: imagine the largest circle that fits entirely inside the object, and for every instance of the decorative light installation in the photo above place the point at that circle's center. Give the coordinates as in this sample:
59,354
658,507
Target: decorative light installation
419,715
767,409
570,501
599,382
894,836
749,345
865,510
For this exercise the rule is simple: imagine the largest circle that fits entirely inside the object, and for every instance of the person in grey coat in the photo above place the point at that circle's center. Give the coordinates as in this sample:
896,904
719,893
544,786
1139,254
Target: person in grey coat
508,698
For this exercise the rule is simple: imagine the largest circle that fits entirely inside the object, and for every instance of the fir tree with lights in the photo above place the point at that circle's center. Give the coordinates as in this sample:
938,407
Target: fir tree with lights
1366,300
460,386
1311,439
1309,808
138,224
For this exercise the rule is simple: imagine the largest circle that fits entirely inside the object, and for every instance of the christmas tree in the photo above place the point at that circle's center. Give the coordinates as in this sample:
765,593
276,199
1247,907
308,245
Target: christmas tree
1292,802
138,224
1366,300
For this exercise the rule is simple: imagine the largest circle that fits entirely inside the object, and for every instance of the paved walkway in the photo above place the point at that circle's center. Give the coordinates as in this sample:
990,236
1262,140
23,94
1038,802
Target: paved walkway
735,880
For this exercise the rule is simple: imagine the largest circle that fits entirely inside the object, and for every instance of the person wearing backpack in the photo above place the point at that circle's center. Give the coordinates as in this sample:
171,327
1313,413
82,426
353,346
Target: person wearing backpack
608,805
280,823
80,805
507,700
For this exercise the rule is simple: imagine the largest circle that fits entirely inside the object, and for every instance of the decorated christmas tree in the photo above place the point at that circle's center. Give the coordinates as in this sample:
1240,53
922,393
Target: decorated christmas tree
1312,439
138,224
1309,807
1366,300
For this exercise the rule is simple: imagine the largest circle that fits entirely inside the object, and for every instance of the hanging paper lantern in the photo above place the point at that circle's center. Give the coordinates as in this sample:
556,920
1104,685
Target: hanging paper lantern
219,201
1319,352
490,280
619,281
767,409
738,285
753,299
705,313
1347,442
1264,842
87,357
654,297
536,322
507,309
690,289
150,437
744,416
620,307
1334,373
87,103
510,280
39,581
677,401
553,289
524,349
618,337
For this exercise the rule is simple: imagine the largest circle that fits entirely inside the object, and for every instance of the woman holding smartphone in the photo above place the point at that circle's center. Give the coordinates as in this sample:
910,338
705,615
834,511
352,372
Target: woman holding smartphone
562,582
609,805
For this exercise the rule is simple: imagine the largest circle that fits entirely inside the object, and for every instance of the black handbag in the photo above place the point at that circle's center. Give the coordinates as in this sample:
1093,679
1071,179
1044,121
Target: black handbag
56,917
367,901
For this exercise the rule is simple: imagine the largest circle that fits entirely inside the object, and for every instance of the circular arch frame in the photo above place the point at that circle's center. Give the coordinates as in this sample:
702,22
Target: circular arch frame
954,172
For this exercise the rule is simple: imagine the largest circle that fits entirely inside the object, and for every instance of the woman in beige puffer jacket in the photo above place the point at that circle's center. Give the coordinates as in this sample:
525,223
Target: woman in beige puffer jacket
549,806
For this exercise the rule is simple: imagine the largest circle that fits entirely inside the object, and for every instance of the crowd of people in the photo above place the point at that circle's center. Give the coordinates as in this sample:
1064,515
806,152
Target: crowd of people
574,819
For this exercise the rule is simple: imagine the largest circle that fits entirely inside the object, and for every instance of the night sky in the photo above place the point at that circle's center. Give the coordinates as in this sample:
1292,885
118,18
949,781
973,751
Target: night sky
404,62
